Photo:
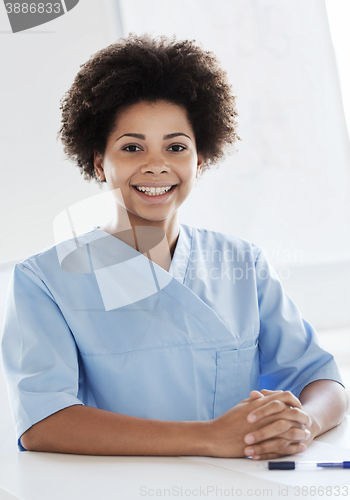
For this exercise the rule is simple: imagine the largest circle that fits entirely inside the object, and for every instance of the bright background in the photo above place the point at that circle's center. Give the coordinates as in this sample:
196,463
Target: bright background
287,188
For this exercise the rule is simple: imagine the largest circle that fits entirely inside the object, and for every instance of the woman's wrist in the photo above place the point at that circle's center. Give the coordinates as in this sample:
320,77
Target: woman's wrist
221,438
315,428
203,439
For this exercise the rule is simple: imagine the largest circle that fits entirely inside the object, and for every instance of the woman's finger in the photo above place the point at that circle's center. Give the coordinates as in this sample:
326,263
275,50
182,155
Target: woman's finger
270,405
284,430
267,392
286,397
282,412
265,395
252,396
270,456
295,434
267,409
260,394
279,446
280,428
255,395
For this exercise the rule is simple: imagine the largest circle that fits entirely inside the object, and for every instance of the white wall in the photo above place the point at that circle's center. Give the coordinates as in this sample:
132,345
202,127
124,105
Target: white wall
288,186
339,16
289,182
37,68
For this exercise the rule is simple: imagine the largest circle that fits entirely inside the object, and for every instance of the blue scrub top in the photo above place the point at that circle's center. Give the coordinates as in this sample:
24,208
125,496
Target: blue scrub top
92,321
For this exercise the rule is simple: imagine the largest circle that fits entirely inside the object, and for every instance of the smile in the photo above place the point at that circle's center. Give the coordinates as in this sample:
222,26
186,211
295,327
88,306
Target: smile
152,191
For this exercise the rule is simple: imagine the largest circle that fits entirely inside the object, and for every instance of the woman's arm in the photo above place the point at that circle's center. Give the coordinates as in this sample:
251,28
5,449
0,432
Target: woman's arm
84,430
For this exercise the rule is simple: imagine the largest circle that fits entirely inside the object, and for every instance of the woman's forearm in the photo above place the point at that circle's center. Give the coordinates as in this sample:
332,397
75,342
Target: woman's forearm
85,430
326,401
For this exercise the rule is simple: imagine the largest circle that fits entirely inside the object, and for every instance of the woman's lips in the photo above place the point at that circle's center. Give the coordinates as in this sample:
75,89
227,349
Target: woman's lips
157,198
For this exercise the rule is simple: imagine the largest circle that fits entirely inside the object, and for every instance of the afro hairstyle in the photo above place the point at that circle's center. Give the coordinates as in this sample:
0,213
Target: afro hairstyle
142,68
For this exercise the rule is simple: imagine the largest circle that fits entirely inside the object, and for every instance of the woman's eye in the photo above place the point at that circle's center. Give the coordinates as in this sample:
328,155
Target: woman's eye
176,148
132,148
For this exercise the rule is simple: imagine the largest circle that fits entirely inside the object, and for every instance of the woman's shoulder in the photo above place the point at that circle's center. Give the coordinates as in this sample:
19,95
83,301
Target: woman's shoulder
53,256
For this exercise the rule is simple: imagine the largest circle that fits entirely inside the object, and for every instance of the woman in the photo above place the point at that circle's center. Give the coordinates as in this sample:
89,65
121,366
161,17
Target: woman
146,336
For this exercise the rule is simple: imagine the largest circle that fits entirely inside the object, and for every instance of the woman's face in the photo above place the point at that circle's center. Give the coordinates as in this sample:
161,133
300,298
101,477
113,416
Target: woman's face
150,160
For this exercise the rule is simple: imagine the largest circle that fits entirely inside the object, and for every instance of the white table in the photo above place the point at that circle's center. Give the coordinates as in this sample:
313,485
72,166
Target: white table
53,476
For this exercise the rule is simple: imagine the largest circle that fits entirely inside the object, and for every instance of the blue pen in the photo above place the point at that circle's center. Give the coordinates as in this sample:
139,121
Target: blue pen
307,465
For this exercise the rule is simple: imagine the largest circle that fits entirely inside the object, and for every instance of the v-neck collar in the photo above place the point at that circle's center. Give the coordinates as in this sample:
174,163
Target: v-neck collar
179,262
181,257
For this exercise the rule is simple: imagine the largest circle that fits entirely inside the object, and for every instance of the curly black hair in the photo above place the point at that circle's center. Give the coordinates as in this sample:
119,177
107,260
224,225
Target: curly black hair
141,68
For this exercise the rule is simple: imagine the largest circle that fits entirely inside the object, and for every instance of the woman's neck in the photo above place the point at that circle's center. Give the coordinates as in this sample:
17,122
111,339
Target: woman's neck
155,239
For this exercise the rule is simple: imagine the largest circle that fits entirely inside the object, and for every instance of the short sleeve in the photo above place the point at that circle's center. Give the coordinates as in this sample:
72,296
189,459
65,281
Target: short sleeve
291,355
39,354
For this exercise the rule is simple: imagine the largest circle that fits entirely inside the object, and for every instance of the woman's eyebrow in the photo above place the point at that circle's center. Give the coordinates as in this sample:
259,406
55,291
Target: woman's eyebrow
170,136
143,137
137,136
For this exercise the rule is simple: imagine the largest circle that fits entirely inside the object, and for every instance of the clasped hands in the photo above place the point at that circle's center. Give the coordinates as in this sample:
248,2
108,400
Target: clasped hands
269,424
287,426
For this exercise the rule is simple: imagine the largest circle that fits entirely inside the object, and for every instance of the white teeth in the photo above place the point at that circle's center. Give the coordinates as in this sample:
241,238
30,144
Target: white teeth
152,191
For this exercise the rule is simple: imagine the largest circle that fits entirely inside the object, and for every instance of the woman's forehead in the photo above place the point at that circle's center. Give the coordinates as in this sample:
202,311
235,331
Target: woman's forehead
159,113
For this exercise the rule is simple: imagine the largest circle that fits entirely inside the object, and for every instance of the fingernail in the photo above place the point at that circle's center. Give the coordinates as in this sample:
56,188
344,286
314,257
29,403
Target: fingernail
303,447
249,451
249,439
308,433
251,418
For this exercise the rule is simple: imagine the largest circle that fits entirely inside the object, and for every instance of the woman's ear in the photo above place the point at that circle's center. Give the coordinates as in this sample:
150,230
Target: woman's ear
98,164
200,162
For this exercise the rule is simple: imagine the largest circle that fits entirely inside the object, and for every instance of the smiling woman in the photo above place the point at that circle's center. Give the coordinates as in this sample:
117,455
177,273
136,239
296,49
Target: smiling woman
153,90
120,341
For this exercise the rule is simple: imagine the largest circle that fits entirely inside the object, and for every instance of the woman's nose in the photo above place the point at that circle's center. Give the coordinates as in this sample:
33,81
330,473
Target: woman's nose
155,166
